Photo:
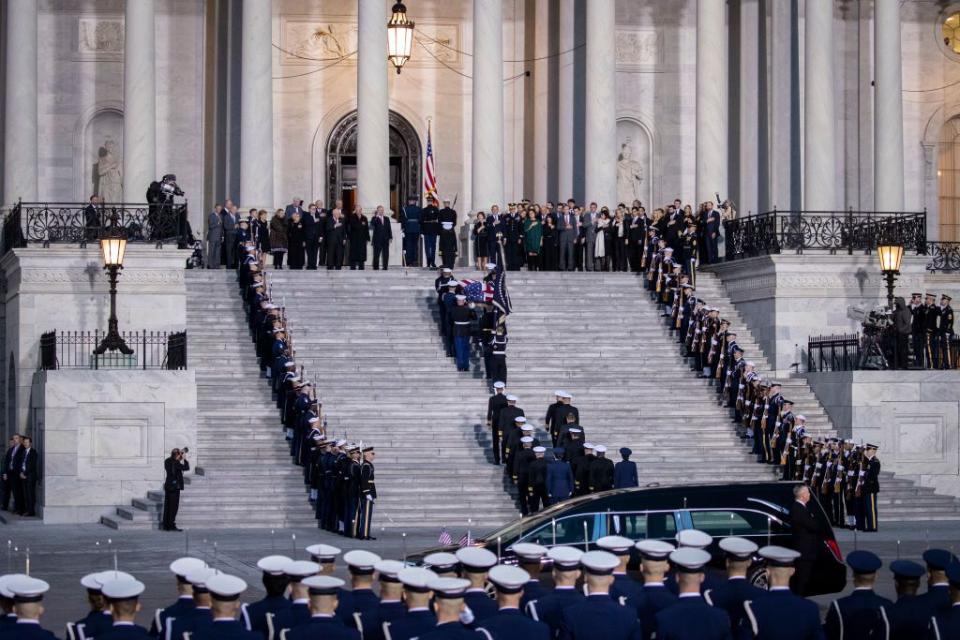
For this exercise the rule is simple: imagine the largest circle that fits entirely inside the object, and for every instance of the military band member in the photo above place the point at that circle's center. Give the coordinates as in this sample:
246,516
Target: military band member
859,614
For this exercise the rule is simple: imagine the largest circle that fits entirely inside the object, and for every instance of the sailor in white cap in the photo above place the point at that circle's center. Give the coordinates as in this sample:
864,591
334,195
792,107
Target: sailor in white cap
571,422
442,563
731,594
201,616
391,591
28,605
550,421
362,603
508,423
123,596
566,571
8,616
692,617
323,593
694,539
601,470
225,591
184,603
781,615
418,619
448,244
654,565
99,620
475,563
530,558
561,417
509,623
515,437
275,582
522,460
299,611
624,589
452,613
599,617
581,470
495,405
326,556
537,470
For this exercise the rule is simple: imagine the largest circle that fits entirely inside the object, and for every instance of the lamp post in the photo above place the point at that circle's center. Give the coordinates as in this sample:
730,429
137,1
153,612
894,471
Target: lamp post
891,255
399,36
113,244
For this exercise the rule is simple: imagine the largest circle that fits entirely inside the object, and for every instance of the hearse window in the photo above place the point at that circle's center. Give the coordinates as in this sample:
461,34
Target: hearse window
569,531
731,523
660,525
639,526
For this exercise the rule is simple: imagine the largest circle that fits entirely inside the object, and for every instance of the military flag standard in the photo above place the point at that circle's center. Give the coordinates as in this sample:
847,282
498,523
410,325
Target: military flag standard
429,175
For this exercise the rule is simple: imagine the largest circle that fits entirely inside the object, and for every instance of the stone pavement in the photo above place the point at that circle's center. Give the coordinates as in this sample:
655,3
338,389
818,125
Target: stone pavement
62,554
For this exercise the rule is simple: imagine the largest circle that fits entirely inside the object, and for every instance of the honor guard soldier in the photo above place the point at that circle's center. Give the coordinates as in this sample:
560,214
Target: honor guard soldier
123,595
200,617
549,607
508,422
691,618
322,622
731,594
868,489
225,591
509,623
368,494
529,558
27,598
99,620
907,618
299,611
8,617
937,596
451,612
462,317
654,556
495,405
550,421
601,471
442,563
562,411
475,563
625,471
391,594
498,353
259,616
598,616
917,329
363,605
521,468
781,615
693,539
418,619
581,470
624,589
946,624
538,498
559,477
945,332
859,615
515,444
324,555
931,318
184,603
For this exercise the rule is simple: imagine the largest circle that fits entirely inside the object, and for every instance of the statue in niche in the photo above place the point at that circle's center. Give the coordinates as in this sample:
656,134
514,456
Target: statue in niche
629,174
108,173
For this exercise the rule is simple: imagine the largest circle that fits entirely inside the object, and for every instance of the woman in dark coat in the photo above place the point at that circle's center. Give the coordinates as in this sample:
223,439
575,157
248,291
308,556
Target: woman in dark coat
480,240
278,238
296,237
262,226
358,233
549,251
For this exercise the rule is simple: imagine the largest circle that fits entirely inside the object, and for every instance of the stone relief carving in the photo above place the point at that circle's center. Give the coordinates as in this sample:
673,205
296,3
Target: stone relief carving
108,176
100,38
131,275
629,174
637,48
308,41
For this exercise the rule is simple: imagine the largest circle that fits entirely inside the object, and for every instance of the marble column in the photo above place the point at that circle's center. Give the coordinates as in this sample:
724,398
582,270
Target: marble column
888,108
749,106
20,104
565,99
600,175
256,105
819,98
711,148
487,159
373,121
783,107
139,100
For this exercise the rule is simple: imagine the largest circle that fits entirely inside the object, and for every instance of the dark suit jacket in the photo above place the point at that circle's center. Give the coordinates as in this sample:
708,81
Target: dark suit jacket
806,531
214,227
380,231
8,458
174,470
29,464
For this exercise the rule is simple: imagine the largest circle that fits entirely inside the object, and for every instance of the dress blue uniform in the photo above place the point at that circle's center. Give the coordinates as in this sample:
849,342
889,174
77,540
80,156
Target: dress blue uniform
27,630
532,591
254,615
946,624
225,630
858,615
625,471
549,607
123,631
599,617
907,618
415,622
693,619
510,624
183,606
322,627
937,597
482,605
298,614
366,608
780,615
197,619
658,598
559,478
730,597
452,631
94,624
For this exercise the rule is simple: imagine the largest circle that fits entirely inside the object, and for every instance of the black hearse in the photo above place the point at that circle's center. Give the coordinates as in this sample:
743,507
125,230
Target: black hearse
757,511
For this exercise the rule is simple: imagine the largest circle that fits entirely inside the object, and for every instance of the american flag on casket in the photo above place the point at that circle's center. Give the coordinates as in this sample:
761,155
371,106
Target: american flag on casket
477,290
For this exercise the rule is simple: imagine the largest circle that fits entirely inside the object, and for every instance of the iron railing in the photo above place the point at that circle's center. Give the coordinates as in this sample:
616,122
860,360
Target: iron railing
855,352
151,350
831,231
48,223
944,256
833,353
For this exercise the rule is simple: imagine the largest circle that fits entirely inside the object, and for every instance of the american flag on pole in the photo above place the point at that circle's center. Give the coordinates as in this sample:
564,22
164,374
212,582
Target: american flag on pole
429,176
445,538
465,540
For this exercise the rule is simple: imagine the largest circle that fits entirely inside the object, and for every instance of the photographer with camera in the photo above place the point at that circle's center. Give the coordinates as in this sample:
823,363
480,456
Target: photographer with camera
174,466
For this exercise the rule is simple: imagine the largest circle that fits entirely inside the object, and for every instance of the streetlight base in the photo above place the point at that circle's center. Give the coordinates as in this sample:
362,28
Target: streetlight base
113,341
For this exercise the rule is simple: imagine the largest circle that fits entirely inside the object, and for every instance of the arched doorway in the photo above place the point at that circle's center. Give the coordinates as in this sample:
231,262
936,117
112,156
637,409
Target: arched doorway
405,161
